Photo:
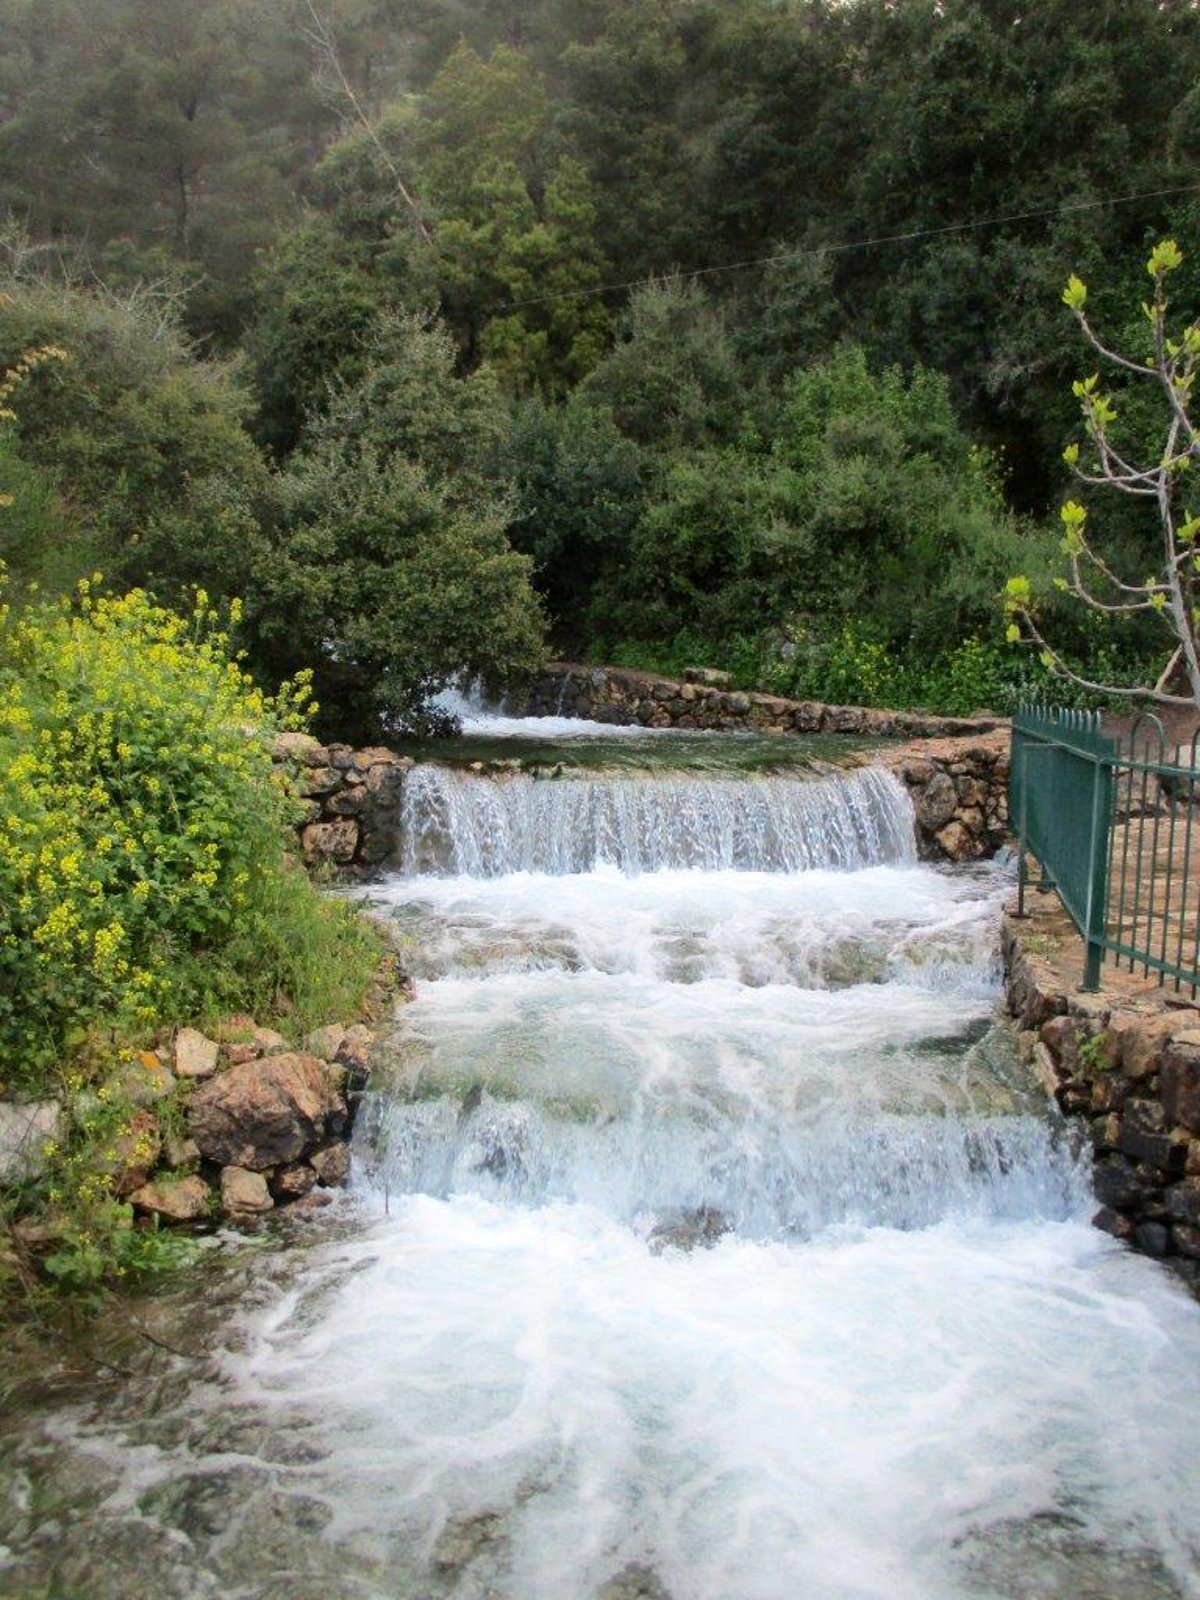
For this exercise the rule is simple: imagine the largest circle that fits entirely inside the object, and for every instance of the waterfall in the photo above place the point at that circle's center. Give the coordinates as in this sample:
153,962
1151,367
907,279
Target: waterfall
708,1241
457,823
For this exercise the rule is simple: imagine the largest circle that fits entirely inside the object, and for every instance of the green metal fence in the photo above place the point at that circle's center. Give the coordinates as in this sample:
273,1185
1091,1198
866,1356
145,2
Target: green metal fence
1113,824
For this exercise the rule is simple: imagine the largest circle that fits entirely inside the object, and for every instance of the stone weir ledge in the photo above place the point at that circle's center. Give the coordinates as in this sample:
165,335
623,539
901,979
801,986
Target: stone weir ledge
702,698
956,770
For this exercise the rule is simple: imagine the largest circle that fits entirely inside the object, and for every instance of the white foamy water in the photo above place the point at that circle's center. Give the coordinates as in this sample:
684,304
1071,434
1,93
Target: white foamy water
463,824
475,716
878,1415
714,1245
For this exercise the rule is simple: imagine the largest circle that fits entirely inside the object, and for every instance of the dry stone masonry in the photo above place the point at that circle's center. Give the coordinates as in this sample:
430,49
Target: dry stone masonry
1128,1066
703,699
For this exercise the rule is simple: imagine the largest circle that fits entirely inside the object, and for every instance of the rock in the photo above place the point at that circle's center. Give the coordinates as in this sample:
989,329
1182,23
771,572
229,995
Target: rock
25,1129
1181,1084
268,1042
701,1228
1152,1239
1186,1240
180,1152
173,1199
461,1542
936,803
330,841
1120,1185
296,747
1059,1034
1110,1221
319,781
244,1194
265,1112
133,1155
292,1181
325,1042
634,1582
355,1049
957,841
331,1164
1183,1202
708,676
195,1054
1142,1044
144,1081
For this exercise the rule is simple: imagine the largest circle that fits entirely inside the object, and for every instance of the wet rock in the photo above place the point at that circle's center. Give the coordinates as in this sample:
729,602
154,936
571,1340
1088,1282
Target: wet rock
462,1542
957,841
1152,1239
634,1582
25,1129
1112,1222
354,1053
331,1164
1183,1202
700,1228
195,1054
292,1181
266,1112
1120,1185
173,1199
244,1194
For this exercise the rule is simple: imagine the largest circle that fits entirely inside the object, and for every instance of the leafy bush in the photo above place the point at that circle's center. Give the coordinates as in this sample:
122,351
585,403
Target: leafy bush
142,832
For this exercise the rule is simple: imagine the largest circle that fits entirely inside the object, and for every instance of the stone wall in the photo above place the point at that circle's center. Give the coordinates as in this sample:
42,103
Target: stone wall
702,699
1128,1066
352,797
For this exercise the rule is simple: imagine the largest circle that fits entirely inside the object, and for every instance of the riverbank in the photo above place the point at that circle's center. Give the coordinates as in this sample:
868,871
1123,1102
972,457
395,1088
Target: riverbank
1124,1063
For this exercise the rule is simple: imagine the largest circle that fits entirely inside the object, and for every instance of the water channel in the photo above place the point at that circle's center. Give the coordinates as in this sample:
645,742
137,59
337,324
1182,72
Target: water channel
707,1242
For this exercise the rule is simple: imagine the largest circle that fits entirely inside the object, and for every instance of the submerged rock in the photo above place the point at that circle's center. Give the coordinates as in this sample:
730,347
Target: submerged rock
700,1228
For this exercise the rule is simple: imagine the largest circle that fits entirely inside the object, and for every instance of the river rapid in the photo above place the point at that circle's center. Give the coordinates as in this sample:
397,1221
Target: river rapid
707,1241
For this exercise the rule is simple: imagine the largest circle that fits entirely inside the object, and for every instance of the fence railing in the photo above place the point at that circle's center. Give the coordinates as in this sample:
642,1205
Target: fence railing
1113,823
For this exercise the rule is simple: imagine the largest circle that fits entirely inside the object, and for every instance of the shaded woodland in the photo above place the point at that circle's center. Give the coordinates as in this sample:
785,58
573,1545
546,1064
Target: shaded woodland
721,329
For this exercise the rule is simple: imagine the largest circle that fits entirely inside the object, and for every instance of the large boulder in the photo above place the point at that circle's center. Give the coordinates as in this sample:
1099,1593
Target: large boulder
264,1113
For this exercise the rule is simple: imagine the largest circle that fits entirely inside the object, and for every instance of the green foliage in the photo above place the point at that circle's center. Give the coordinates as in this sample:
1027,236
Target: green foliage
143,830
389,567
143,445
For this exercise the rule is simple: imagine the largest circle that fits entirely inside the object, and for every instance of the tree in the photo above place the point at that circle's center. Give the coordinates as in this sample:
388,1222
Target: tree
389,570
1156,474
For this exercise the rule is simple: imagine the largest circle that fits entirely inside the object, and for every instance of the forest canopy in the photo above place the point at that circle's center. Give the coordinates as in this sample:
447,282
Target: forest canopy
706,329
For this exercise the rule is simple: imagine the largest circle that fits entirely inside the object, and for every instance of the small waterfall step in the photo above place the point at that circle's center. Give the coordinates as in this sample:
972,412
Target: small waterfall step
456,823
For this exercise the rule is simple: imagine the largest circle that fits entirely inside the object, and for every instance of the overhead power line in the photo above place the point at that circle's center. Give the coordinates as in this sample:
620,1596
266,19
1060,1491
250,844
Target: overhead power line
912,235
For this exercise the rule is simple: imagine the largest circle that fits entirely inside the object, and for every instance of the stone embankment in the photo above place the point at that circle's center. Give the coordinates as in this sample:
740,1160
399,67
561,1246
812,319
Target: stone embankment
1126,1063
226,1128
703,699
956,770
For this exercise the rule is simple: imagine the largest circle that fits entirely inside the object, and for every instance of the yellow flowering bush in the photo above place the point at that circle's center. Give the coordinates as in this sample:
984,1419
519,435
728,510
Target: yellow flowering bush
142,824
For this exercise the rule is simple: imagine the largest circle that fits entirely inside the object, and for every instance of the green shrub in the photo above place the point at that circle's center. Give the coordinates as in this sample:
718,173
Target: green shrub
143,825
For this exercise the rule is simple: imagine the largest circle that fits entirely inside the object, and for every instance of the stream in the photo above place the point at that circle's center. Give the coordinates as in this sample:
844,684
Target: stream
706,1241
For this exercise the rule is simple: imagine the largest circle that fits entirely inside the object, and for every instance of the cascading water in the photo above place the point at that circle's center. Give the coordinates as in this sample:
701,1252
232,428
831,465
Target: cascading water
715,1248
